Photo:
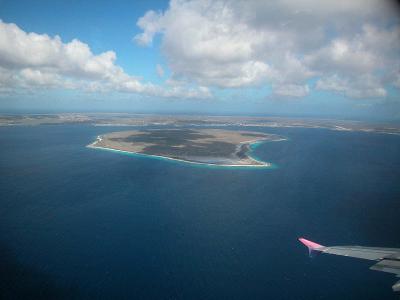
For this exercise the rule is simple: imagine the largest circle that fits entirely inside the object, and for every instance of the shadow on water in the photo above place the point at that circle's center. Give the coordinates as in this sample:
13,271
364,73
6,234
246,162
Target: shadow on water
18,281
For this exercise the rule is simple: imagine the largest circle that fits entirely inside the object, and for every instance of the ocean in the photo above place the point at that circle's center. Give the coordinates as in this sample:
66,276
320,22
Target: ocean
81,223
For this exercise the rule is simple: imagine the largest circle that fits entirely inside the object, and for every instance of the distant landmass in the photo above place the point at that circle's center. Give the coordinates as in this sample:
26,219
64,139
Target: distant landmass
200,146
143,120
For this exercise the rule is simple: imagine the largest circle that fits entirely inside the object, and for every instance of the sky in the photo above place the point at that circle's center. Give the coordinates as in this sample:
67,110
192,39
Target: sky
332,58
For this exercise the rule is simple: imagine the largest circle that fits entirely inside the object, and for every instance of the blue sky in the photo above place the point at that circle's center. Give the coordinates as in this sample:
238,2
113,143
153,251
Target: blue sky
280,57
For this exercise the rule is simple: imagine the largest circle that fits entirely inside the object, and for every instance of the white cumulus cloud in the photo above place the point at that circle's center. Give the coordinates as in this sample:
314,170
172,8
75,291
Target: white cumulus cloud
280,43
31,60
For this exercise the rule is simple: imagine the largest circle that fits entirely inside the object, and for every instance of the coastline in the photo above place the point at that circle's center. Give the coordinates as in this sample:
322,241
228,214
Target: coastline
260,164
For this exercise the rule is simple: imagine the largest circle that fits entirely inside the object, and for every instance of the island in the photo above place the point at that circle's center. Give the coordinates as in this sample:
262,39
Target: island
197,146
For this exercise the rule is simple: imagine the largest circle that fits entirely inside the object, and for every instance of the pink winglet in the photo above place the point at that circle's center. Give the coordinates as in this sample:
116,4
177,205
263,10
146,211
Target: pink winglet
310,245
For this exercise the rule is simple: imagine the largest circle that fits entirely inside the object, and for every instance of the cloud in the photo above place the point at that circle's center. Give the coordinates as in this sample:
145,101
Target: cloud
364,86
150,25
159,70
33,77
291,90
37,61
282,43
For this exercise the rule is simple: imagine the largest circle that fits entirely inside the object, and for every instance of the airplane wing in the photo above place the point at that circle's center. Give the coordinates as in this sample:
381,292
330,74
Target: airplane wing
388,259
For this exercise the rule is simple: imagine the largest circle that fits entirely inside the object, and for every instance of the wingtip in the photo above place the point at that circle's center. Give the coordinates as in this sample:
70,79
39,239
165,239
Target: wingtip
310,244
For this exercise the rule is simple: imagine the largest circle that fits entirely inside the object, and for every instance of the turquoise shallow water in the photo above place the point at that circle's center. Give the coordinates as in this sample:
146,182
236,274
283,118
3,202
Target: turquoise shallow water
79,223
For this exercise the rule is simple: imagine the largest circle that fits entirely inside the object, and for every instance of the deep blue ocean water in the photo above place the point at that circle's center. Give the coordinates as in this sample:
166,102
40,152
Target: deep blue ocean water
80,223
